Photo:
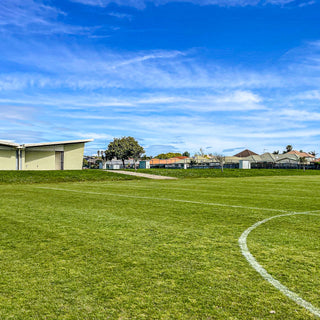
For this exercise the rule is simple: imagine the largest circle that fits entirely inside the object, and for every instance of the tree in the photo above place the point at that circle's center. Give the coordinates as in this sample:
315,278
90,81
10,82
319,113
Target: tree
221,159
303,161
134,150
145,157
201,153
85,163
288,148
168,155
275,152
313,153
124,148
186,154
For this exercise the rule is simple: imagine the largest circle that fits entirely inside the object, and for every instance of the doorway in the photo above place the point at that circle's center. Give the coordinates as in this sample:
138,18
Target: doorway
59,160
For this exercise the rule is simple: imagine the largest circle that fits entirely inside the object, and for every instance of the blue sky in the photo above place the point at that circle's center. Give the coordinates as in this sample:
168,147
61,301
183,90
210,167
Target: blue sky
176,75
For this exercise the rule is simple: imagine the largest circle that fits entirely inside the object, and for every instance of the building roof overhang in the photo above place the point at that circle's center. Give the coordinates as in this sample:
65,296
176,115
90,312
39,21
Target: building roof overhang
9,144
44,144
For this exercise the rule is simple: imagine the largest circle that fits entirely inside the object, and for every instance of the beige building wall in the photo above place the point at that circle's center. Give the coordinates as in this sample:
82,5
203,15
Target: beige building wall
39,160
73,156
51,156
8,159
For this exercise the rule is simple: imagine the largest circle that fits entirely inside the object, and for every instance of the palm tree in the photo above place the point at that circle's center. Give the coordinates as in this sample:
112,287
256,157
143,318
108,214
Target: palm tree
289,148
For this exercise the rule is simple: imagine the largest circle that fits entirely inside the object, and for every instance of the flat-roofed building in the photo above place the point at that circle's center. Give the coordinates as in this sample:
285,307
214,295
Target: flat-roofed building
62,155
8,155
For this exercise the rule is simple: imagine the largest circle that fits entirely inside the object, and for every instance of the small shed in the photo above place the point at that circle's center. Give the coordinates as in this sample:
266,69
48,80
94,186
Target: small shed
144,164
244,164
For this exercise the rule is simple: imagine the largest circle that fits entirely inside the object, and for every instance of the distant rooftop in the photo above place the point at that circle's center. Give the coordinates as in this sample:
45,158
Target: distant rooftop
245,153
301,154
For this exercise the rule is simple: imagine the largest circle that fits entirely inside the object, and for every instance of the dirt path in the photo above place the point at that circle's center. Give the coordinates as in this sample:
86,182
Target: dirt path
144,175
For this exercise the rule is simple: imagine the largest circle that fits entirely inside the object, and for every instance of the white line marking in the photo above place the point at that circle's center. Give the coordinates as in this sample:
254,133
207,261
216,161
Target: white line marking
250,258
167,188
164,199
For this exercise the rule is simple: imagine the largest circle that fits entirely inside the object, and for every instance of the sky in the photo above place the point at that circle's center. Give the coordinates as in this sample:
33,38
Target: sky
178,75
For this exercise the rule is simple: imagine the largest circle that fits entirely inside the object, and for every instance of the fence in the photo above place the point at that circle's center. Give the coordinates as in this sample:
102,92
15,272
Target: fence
258,165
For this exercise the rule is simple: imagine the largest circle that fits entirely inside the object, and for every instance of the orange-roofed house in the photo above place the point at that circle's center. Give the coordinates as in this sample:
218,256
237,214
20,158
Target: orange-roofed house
166,161
309,157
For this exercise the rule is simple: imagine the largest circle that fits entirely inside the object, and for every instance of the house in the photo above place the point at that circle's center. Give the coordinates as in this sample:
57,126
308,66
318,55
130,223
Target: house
253,158
9,155
116,164
268,157
63,155
307,156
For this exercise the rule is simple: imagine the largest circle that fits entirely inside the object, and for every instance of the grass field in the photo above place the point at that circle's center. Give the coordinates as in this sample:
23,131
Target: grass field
227,173
143,249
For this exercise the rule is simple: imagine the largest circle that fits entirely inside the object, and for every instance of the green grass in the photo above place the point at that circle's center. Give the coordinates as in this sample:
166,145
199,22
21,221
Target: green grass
127,250
22,177
227,173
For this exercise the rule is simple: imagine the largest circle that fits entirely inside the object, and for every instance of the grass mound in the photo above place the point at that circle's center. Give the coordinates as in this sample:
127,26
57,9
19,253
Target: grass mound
25,177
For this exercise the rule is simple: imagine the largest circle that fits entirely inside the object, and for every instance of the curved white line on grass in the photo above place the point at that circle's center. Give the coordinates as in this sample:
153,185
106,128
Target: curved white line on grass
163,199
250,258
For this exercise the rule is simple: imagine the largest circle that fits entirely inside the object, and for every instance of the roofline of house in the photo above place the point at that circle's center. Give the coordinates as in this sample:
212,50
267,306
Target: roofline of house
43,144
8,143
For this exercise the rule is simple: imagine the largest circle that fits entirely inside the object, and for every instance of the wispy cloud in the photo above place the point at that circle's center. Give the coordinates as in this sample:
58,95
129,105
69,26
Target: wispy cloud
299,115
141,4
306,3
169,95
120,15
14,113
34,16
162,69
233,149
26,12
226,101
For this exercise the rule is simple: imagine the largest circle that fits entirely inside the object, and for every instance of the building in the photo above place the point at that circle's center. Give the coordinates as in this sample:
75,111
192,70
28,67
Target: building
308,157
63,155
116,164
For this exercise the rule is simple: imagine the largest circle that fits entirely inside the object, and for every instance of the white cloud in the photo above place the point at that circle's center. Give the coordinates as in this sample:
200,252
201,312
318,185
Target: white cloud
226,101
299,115
14,113
32,16
26,12
307,3
90,70
292,134
120,15
160,96
92,135
141,4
